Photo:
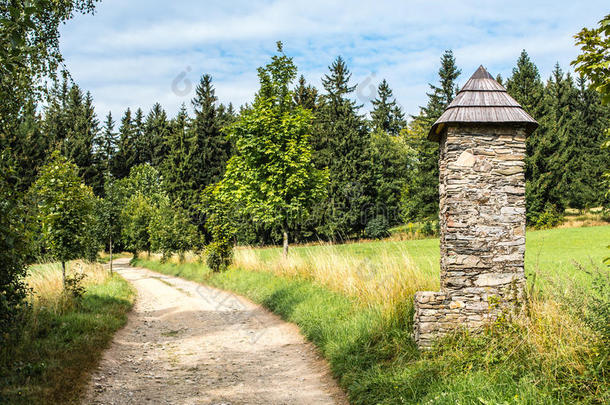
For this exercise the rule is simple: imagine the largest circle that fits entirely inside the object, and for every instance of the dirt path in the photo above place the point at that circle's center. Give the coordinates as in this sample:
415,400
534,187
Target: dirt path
186,343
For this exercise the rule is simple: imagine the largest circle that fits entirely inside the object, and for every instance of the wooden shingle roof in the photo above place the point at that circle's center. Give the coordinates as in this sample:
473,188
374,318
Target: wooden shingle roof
482,100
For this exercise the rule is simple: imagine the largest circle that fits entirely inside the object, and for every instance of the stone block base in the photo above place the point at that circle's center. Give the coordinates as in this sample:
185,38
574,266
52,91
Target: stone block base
438,313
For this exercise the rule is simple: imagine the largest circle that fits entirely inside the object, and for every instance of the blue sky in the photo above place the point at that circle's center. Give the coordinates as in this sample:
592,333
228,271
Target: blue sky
137,52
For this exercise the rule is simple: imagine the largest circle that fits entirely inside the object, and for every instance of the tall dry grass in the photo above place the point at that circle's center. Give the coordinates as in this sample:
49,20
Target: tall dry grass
45,282
388,281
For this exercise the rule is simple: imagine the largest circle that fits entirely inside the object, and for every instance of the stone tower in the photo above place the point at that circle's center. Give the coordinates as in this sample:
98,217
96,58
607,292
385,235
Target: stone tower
482,209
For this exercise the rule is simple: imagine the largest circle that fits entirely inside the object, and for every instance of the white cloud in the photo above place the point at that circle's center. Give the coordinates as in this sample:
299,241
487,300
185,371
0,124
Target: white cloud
129,53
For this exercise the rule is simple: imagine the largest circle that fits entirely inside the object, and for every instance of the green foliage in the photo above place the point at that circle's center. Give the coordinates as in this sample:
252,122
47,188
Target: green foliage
598,307
387,116
420,197
177,167
52,361
593,61
429,228
14,250
306,95
30,53
377,228
81,127
342,144
136,216
550,218
375,359
419,200
219,254
271,176
74,285
210,147
126,155
64,209
170,230
106,143
156,132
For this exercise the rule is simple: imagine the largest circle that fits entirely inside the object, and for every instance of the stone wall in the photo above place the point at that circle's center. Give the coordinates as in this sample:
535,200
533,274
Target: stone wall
482,230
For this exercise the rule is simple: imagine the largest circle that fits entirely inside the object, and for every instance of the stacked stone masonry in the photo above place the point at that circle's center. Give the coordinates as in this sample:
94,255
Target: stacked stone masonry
482,230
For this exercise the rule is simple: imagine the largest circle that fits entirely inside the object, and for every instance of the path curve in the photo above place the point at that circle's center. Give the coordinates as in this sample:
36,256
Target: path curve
186,343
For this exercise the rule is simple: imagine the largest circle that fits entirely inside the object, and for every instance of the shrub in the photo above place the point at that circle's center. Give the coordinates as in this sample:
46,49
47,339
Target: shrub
598,307
548,219
429,228
74,285
219,255
377,228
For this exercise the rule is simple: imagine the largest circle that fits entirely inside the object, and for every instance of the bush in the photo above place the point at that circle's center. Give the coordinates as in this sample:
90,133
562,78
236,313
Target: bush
550,218
429,228
598,308
219,255
74,285
14,251
377,228
170,230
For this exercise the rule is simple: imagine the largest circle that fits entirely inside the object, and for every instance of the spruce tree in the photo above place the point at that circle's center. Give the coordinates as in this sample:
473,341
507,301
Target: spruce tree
31,147
176,168
343,145
544,187
156,133
210,147
106,146
585,161
420,200
441,95
143,154
82,128
126,155
306,95
525,85
387,116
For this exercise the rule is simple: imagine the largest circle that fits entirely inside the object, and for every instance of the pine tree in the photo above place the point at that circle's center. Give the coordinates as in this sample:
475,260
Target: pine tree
306,95
387,116
442,95
176,168
210,147
584,160
156,133
525,85
106,146
82,128
544,187
420,200
54,125
143,154
126,155
31,146
343,145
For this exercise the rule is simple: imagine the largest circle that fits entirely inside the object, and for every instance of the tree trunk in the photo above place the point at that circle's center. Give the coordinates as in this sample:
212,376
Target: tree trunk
110,255
63,274
285,244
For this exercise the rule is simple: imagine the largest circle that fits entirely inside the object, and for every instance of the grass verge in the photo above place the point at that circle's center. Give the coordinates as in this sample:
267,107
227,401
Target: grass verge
64,336
548,355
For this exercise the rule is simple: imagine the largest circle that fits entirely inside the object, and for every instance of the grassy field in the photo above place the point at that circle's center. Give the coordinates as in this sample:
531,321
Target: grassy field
354,302
550,252
64,336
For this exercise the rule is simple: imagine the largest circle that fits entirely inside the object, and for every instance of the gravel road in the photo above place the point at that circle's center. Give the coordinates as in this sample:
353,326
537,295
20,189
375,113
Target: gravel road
186,343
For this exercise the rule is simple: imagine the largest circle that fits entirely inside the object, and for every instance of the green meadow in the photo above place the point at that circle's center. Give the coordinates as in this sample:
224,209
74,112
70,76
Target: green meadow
362,320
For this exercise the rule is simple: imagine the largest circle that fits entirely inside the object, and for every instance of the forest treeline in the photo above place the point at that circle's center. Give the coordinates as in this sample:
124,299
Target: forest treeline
382,171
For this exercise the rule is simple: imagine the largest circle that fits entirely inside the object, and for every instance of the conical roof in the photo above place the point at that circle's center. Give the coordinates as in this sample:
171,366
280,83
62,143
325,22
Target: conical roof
482,100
